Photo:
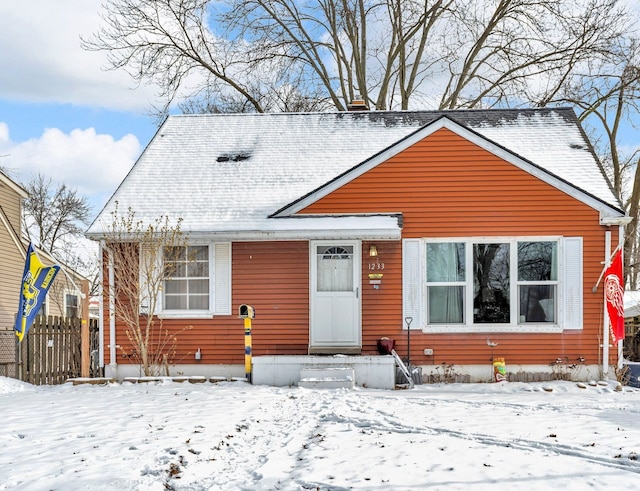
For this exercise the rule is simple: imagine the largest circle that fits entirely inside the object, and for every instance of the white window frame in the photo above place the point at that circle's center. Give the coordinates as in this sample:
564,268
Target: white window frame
186,263
64,301
44,307
219,258
568,310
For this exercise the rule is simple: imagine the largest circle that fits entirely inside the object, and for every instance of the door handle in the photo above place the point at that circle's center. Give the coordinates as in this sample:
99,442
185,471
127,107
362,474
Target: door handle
357,292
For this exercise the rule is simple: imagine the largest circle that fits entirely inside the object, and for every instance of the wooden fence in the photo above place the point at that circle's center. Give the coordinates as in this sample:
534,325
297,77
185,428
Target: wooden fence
50,353
8,367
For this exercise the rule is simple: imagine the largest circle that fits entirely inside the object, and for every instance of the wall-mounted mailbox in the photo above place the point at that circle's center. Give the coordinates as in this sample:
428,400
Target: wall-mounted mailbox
246,312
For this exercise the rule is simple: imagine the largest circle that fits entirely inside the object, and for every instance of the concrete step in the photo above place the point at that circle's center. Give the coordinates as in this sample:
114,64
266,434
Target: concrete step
326,378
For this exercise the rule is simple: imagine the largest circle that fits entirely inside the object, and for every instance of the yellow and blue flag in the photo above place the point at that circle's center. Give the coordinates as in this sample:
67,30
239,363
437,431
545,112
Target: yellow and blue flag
36,280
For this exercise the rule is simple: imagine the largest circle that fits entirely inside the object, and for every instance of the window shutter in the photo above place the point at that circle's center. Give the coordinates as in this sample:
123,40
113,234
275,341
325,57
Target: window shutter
572,283
222,278
412,282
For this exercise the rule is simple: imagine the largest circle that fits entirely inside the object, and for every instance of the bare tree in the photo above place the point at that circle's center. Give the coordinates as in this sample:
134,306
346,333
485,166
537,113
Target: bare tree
54,217
287,97
140,271
606,98
395,53
522,51
286,55
169,41
53,214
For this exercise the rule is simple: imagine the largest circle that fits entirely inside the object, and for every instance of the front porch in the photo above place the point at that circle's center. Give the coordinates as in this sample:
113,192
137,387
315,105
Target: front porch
375,372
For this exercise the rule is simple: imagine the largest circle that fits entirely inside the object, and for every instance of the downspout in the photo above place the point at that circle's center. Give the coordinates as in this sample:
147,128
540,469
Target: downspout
112,313
101,307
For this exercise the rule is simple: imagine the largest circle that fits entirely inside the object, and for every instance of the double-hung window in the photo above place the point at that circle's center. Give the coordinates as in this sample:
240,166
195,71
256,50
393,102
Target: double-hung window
486,284
71,306
537,281
187,283
446,282
196,280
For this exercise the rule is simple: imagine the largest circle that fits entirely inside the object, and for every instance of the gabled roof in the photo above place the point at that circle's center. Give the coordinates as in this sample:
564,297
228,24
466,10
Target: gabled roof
5,179
228,173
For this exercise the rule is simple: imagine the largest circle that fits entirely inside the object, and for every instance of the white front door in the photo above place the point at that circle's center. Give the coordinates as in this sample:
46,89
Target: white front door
335,297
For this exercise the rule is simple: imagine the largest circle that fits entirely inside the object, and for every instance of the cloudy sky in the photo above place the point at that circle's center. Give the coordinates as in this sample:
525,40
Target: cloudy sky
61,114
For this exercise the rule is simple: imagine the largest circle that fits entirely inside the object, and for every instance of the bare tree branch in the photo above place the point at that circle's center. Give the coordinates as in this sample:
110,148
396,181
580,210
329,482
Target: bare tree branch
52,215
140,271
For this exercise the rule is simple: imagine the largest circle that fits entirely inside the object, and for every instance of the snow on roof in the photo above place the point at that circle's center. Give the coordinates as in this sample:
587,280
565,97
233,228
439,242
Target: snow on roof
227,173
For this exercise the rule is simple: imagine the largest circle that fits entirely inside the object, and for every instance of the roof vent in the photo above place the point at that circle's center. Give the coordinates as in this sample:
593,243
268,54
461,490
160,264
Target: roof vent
234,157
358,104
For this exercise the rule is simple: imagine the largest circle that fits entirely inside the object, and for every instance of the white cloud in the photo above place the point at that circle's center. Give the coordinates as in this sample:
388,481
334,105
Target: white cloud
41,59
4,134
91,163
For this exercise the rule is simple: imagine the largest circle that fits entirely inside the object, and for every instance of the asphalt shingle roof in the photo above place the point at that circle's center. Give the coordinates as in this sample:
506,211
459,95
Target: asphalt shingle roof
230,172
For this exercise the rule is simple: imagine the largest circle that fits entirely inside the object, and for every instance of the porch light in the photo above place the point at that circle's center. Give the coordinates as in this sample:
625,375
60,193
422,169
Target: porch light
373,250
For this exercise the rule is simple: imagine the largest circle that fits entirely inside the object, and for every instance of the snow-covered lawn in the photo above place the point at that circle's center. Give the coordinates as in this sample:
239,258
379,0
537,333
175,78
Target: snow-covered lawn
235,436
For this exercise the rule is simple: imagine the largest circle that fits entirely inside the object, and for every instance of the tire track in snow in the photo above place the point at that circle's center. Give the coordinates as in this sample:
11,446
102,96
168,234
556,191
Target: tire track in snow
397,425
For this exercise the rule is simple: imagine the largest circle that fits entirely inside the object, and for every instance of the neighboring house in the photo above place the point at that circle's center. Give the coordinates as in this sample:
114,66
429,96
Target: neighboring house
473,227
63,297
12,249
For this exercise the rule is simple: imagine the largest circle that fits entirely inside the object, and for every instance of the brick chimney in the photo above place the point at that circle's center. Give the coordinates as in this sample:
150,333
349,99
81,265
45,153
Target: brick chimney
357,104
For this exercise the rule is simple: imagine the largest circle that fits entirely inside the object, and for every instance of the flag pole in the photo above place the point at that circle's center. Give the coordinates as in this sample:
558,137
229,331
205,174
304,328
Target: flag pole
605,317
606,264
621,341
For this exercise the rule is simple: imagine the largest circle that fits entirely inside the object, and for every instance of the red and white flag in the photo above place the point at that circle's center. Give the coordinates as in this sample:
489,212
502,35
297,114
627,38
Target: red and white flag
614,295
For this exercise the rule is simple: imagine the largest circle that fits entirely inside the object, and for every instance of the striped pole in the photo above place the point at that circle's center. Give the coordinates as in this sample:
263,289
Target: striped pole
247,348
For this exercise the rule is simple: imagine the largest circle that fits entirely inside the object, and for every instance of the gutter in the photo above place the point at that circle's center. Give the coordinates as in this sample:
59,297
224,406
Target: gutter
307,234
620,220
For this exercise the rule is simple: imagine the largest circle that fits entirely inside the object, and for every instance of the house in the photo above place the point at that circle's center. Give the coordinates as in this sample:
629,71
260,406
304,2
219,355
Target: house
461,235
64,296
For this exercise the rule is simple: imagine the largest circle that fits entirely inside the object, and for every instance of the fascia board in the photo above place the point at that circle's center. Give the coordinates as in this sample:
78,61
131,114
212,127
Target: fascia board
16,240
364,227
13,185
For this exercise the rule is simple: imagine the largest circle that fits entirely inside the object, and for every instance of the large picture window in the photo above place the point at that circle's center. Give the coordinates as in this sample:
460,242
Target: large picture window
487,283
491,283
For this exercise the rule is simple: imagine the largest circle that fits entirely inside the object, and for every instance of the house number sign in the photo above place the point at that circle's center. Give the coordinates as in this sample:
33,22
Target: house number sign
375,279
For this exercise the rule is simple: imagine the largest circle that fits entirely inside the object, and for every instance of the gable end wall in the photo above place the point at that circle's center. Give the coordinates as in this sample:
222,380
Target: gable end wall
446,186
11,260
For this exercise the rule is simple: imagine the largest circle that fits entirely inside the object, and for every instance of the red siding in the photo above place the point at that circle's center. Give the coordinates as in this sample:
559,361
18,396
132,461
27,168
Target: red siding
446,186
273,277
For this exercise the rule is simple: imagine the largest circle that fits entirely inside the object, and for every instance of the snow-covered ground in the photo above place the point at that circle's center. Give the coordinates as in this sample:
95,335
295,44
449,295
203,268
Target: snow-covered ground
235,436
